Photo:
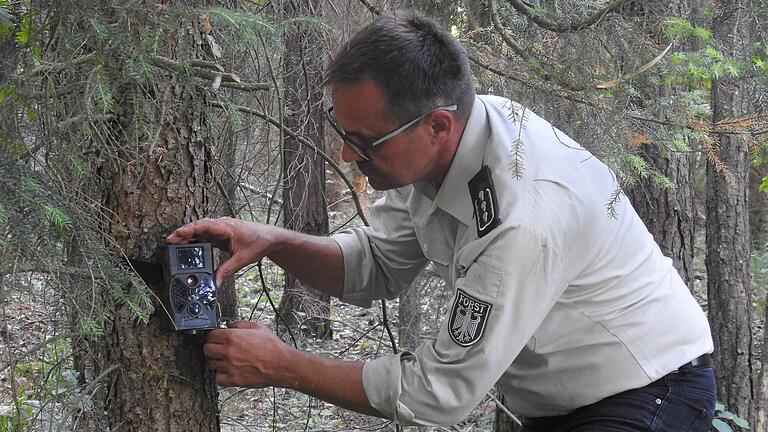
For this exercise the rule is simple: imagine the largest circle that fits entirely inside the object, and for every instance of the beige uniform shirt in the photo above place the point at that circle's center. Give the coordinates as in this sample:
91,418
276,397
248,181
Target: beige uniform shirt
561,304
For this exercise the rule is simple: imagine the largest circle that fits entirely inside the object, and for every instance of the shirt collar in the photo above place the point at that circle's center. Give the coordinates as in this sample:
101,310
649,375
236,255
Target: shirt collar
453,196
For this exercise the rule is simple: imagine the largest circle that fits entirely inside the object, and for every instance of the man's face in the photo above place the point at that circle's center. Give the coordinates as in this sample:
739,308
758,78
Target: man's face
399,161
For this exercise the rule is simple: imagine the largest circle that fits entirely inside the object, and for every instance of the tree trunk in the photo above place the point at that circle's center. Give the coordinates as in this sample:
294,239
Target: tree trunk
304,204
147,376
728,243
668,213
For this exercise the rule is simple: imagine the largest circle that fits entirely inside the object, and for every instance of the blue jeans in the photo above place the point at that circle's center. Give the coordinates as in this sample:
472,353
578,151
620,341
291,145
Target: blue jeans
683,401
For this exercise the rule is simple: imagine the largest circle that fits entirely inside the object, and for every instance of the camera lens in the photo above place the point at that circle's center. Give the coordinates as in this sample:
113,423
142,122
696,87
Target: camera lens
191,280
194,309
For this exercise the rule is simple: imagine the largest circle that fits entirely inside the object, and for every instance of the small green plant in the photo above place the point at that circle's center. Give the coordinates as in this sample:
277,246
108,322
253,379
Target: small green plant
724,419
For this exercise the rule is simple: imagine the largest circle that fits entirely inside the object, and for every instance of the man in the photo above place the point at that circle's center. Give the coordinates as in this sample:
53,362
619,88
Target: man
575,315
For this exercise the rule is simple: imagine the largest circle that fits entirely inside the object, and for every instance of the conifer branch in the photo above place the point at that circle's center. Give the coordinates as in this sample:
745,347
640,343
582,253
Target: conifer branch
563,93
636,72
229,80
559,27
503,33
47,68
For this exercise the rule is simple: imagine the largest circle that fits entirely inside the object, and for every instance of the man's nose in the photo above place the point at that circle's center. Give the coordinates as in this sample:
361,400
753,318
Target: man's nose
348,154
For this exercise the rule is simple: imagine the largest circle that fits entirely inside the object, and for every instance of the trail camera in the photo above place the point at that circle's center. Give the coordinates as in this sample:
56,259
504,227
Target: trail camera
191,298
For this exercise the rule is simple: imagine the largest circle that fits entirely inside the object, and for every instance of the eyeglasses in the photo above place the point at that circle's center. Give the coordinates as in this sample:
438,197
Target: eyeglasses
362,150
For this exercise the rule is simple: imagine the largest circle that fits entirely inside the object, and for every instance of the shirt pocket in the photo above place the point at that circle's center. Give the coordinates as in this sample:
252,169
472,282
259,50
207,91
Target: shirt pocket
434,244
481,280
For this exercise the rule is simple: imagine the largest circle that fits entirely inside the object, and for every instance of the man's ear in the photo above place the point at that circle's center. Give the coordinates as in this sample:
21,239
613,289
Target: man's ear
442,124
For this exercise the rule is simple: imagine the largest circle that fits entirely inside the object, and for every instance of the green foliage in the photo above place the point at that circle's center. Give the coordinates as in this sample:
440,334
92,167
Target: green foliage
6,92
724,420
699,69
6,19
680,28
24,32
100,91
241,24
100,29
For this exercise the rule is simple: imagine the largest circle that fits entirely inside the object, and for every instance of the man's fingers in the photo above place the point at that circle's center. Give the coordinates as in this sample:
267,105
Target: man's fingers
228,267
187,232
224,379
246,325
213,351
218,366
217,337
209,230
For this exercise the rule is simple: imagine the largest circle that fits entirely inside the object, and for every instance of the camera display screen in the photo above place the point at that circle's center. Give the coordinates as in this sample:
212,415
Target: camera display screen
190,258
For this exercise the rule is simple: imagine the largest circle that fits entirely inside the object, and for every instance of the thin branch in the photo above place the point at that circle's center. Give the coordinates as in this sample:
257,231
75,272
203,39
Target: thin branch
77,119
91,387
207,65
260,192
558,27
562,93
505,410
636,72
305,142
370,7
75,271
227,79
503,33
729,127
47,68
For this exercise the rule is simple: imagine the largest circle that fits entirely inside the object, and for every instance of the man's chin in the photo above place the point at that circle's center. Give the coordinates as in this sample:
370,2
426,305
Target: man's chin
380,183
379,186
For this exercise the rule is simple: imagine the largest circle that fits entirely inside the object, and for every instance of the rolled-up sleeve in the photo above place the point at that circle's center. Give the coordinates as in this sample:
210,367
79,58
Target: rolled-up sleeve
380,262
518,275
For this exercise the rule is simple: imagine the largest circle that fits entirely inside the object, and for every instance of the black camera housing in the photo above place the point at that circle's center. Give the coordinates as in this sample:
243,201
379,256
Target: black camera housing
191,299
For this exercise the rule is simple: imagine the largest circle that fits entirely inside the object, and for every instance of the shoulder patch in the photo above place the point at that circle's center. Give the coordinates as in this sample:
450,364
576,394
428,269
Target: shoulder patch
484,203
468,318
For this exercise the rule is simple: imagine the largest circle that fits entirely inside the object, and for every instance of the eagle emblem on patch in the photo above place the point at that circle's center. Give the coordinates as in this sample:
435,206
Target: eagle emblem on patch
468,317
484,202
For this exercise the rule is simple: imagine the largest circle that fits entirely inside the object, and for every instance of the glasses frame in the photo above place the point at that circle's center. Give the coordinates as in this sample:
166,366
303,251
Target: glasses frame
362,151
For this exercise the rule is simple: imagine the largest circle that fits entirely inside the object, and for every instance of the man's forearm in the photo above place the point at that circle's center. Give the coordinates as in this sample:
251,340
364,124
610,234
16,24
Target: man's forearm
316,261
334,381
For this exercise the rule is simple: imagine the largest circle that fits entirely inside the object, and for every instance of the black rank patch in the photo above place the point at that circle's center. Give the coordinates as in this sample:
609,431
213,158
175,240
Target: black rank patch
468,318
484,202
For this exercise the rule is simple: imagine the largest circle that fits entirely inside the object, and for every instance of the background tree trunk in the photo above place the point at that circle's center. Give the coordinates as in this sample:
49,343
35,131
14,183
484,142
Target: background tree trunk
304,204
728,243
668,213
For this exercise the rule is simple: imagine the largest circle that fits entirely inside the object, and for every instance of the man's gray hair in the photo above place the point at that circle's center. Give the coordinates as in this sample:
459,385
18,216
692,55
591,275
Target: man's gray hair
418,65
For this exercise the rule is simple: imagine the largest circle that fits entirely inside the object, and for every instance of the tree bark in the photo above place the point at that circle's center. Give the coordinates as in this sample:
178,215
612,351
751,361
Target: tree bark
304,203
147,376
728,242
668,213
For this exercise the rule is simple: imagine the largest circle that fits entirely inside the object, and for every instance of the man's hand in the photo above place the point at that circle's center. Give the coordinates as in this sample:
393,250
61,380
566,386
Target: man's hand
247,242
247,354
316,261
